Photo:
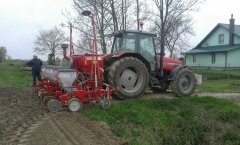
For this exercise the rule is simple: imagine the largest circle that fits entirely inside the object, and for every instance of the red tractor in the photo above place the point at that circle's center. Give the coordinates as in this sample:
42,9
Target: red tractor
134,63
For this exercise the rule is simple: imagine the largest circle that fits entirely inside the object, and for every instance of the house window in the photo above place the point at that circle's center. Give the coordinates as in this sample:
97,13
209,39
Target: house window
194,58
213,58
221,39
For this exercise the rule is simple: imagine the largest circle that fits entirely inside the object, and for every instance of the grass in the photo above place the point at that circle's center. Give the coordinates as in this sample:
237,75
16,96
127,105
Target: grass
179,121
230,86
219,81
218,74
11,75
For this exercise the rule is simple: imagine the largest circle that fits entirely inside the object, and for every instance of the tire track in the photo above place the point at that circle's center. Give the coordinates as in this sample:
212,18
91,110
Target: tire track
80,130
63,131
19,111
21,134
25,135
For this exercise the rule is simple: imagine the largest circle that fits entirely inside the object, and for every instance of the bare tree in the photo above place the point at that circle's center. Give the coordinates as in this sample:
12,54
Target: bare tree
111,15
173,22
101,14
49,42
177,40
3,54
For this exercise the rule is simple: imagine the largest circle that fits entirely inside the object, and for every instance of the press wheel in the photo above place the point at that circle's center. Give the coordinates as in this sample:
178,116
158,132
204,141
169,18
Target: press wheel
45,99
74,104
54,105
106,103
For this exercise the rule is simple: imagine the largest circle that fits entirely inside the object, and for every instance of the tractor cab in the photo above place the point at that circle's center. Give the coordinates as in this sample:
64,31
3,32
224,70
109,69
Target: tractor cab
133,41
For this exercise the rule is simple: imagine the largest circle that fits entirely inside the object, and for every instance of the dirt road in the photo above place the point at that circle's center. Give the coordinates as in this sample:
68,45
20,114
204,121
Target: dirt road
24,121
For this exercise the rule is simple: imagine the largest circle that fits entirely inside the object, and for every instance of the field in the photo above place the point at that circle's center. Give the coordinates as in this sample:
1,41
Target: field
12,76
24,120
219,81
154,119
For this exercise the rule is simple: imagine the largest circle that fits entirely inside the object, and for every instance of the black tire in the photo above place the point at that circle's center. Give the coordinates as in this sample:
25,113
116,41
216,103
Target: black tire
184,83
160,89
130,76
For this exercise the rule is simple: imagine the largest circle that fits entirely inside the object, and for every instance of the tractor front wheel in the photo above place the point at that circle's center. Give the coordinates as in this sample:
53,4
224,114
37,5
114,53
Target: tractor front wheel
184,83
130,76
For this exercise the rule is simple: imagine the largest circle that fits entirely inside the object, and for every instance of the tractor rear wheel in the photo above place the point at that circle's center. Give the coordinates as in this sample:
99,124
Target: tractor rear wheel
184,83
130,76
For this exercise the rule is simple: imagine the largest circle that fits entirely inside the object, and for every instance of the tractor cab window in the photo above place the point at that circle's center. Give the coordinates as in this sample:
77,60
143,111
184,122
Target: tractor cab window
124,42
129,42
147,49
117,44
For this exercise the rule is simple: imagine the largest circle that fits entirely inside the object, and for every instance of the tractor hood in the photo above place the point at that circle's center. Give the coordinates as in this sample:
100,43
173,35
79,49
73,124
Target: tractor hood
169,63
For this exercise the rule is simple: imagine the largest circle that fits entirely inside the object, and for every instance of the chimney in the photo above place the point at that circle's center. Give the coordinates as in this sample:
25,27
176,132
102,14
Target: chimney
231,32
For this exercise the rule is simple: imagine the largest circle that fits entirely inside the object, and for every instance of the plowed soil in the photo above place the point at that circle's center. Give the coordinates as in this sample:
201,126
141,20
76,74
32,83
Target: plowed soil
24,120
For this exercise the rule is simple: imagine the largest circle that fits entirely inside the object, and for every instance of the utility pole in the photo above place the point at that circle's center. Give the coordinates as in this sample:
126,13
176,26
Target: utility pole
125,14
70,26
162,37
137,15
71,43
123,18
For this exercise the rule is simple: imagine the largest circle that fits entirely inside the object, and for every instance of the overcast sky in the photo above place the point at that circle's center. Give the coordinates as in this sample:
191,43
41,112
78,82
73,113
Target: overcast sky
20,21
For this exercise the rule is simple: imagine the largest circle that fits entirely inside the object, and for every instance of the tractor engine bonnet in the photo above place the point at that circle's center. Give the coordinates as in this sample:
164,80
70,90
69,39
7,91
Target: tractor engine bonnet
169,63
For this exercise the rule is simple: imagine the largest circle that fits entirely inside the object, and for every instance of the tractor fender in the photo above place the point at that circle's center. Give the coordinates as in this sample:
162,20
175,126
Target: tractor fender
174,72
